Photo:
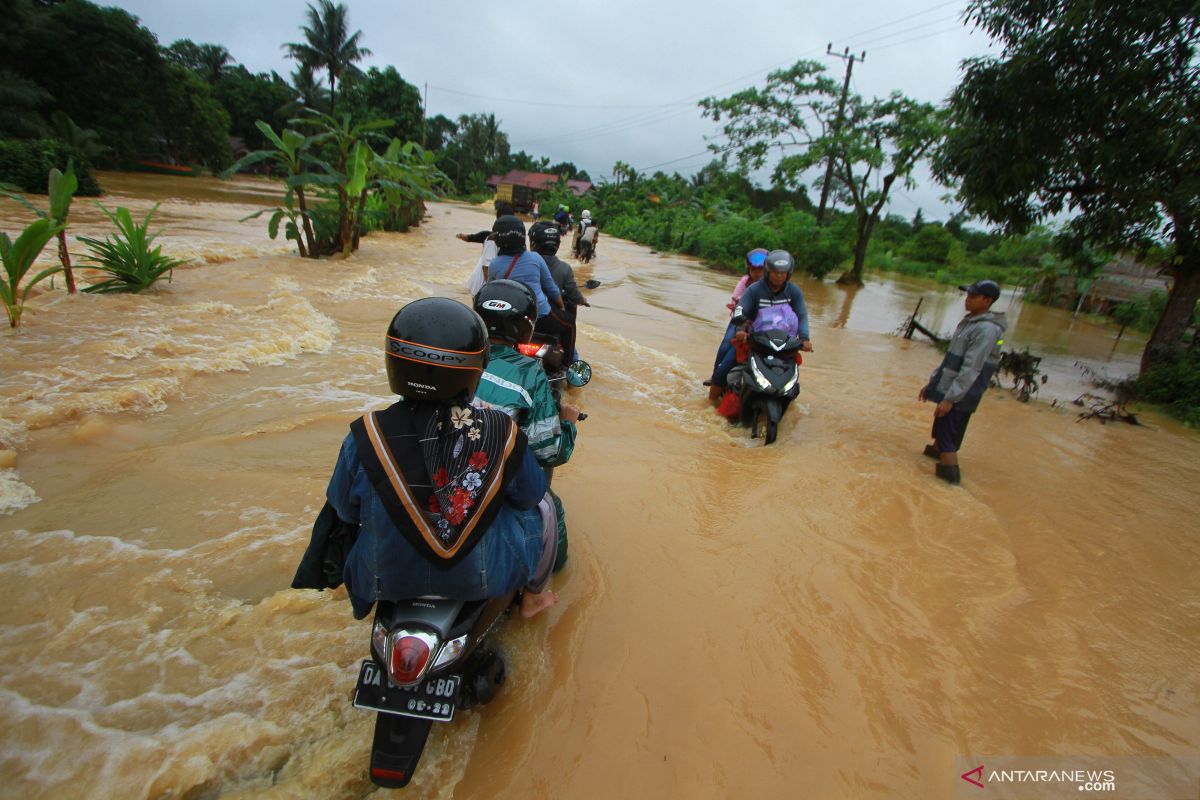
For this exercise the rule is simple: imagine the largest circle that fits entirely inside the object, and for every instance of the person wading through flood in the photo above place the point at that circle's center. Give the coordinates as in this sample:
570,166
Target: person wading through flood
961,379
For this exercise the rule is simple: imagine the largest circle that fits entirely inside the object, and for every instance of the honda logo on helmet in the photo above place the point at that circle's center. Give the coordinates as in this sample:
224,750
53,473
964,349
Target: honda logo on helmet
496,305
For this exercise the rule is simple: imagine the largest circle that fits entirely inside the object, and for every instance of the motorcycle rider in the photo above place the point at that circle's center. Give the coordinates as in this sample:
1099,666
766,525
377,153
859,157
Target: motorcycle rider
516,384
756,261
544,239
515,263
774,297
446,495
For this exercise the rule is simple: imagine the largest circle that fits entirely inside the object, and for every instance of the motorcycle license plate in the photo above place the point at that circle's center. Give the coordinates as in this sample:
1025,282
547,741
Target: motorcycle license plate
432,699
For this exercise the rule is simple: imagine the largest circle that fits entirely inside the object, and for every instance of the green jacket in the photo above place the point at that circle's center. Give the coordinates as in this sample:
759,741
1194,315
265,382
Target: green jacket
517,385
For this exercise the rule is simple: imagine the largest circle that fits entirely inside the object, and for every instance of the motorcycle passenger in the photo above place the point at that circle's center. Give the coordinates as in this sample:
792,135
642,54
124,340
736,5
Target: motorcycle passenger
544,239
756,261
448,498
516,384
515,263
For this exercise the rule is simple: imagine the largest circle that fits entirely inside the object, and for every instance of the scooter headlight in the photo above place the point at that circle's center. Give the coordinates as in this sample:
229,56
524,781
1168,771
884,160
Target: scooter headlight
792,383
759,378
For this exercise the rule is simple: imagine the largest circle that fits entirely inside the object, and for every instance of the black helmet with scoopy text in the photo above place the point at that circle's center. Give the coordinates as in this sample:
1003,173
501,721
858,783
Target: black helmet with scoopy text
437,349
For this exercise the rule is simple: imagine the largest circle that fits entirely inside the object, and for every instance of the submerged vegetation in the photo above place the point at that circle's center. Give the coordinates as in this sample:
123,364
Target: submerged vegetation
126,257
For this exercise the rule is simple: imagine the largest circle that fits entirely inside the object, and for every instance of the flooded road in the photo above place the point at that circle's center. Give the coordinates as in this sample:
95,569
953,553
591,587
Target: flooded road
820,618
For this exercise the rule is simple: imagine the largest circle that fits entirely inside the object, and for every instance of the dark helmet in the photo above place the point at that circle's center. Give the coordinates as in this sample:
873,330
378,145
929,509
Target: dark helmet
545,237
509,310
436,350
509,234
781,261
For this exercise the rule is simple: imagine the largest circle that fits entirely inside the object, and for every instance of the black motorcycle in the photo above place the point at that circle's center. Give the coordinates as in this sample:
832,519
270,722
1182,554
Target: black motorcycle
429,659
768,382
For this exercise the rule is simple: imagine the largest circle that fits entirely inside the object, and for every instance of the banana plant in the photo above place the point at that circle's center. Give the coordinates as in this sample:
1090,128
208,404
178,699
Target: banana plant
291,155
18,258
62,187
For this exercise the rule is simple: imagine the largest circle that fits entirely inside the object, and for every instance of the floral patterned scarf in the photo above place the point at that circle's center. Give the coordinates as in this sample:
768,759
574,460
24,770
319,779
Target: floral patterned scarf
440,494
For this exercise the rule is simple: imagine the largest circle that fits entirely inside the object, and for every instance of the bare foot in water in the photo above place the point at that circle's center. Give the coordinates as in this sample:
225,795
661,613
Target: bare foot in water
533,604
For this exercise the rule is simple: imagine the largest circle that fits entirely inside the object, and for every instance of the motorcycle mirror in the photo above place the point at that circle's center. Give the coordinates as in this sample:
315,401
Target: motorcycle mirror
579,373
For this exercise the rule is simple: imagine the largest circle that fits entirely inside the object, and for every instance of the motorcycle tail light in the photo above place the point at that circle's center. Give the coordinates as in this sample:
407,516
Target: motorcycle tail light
450,651
408,656
532,349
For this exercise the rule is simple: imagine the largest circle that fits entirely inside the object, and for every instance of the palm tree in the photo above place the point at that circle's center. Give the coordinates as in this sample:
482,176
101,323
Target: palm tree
307,93
328,44
215,61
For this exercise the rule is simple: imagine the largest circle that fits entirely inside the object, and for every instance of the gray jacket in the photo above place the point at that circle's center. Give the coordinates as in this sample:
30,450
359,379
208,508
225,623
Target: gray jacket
970,362
564,276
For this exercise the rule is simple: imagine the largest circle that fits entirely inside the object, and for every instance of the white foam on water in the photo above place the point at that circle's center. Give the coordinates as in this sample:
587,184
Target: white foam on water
14,495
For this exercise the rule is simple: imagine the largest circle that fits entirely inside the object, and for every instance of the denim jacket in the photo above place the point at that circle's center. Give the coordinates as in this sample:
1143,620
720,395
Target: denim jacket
382,565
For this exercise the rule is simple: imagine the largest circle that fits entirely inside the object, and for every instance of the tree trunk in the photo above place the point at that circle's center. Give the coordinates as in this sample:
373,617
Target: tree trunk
346,228
853,277
362,204
65,257
308,231
1166,343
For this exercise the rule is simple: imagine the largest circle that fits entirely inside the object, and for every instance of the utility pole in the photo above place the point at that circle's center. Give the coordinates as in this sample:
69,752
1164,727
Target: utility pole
425,115
849,58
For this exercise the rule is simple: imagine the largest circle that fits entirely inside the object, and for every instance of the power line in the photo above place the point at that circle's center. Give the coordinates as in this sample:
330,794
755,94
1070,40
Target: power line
902,19
917,38
893,34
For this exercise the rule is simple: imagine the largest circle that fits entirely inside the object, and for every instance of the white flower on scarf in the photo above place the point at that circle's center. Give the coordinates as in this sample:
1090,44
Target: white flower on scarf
460,416
473,434
471,481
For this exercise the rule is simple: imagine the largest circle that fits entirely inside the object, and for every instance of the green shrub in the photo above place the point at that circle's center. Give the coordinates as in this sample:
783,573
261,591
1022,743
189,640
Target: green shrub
1174,385
27,163
126,257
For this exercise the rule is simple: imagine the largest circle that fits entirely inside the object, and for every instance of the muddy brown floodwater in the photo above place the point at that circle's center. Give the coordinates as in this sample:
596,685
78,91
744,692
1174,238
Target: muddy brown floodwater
820,618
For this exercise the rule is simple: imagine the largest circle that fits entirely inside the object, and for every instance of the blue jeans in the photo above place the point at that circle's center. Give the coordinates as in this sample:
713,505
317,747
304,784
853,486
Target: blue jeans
726,357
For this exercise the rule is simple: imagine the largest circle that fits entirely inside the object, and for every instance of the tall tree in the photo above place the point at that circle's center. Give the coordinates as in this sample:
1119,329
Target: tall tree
1092,108
877,143
328,43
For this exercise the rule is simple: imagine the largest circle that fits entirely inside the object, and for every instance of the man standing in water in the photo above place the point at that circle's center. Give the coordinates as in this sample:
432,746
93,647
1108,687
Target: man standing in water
960,380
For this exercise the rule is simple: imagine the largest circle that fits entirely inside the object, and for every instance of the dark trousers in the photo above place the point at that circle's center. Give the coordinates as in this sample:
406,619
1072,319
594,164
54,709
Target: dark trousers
948,431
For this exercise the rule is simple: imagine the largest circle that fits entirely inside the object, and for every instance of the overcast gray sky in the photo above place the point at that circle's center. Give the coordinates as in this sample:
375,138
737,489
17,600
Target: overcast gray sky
596,81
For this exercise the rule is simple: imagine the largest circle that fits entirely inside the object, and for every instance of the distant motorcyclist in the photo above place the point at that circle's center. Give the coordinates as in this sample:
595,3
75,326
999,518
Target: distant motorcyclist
578,230
516,384
563,217
544,239
444,495
588,241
